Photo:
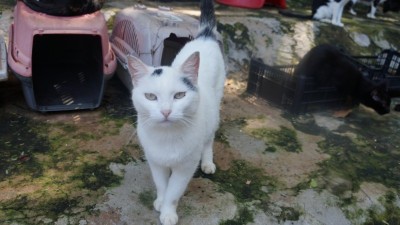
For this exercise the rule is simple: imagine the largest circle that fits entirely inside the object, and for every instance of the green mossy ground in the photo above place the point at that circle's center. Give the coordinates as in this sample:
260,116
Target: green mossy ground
372,155
49,158
247,183
285,139
245,216
62,176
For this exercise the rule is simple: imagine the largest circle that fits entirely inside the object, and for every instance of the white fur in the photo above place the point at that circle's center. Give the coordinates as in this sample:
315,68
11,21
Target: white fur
332,12
372,13
175,144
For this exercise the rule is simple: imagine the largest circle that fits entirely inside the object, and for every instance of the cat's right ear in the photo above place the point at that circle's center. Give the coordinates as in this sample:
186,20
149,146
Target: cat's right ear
191,67
137,69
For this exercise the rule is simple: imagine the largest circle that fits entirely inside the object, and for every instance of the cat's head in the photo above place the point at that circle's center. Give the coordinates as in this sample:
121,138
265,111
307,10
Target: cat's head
165,95
378,98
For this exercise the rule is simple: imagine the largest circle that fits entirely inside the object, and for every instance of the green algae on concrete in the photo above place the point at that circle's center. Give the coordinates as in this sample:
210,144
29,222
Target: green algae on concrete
361,161
49,171
244,217
220,134
244,181
147,198
20,139
289,213
285,139
95,176
391,215
238,33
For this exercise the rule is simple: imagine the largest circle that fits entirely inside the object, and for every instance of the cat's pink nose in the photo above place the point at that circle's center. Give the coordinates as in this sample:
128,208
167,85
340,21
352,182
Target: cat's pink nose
166,113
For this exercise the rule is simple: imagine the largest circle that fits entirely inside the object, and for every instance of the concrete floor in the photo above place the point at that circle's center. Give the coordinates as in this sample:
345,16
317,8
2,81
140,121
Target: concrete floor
86,167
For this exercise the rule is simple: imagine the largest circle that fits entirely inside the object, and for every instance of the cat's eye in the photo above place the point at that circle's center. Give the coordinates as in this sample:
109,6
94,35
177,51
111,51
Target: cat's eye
179,95
150,96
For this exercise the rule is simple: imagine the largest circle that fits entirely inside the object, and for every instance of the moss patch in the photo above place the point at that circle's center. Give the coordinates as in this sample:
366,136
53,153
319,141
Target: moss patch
245,216
147,198
359,160
391,214
244,181
289,213
20,139
95,176
53,169
238,33
284,138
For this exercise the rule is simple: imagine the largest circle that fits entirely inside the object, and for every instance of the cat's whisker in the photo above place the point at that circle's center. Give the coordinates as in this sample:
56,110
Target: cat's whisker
187,121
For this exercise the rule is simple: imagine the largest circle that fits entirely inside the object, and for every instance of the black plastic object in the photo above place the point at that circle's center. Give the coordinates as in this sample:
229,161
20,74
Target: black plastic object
297,94
67,72
65,7
172,46
384,66
300,94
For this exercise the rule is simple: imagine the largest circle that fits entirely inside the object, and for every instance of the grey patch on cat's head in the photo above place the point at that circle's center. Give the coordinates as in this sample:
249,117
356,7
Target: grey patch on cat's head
157,72
189,84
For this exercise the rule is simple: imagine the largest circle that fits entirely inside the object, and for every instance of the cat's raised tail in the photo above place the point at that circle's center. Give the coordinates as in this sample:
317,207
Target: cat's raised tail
207,20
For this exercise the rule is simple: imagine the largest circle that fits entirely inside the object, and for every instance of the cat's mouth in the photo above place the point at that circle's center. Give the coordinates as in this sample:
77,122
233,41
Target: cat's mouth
166,121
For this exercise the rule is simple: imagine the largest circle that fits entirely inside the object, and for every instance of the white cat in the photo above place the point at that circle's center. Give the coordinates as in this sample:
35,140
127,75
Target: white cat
178,113
388,5
330,11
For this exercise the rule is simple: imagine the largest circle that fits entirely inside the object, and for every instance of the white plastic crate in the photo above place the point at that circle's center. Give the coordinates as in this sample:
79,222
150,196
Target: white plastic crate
155,35
3,60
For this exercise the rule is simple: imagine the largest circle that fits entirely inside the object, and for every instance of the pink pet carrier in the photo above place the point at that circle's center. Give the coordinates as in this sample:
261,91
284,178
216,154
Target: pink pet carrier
153,35
62,62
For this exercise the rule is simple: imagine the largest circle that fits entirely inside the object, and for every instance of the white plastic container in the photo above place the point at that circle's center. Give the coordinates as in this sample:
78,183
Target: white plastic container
153,35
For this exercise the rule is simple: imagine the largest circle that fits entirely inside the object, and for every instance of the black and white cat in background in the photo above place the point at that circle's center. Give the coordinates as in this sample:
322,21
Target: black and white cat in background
330,11
329,66
388,5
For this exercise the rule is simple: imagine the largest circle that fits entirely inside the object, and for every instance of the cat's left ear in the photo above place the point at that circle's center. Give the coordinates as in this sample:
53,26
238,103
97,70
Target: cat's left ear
137,69
191,66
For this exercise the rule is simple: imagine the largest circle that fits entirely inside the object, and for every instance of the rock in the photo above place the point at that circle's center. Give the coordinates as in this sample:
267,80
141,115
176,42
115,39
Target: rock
361,39
380,41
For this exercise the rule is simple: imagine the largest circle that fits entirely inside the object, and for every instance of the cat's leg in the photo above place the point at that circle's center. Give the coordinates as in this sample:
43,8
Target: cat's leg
335,13
177,184
160,178
323,14
207,164
340,13
353,4
371,14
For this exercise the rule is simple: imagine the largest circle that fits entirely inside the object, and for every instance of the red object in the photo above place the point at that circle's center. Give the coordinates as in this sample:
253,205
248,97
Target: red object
279,3
253,4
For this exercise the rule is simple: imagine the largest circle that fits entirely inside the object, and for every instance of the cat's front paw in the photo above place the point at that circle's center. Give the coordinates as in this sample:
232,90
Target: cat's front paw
169,218
157,204
370,15
339,24
353,12
208,168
